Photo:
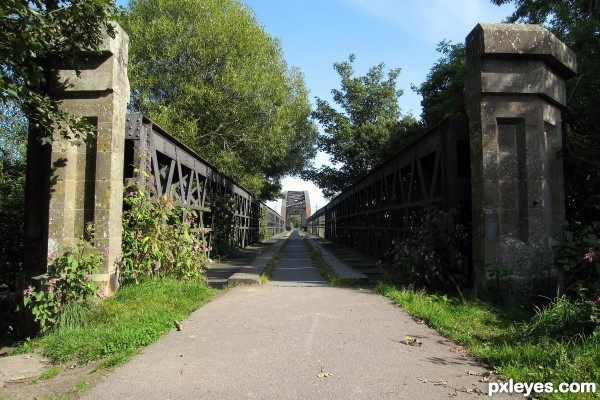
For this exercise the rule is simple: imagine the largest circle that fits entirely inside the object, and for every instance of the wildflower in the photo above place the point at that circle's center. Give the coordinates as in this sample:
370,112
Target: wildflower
28,291
52,255
105,252
102,293
597,301
589,257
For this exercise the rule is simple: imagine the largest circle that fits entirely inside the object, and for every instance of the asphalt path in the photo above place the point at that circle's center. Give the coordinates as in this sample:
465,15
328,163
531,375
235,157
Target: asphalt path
296,338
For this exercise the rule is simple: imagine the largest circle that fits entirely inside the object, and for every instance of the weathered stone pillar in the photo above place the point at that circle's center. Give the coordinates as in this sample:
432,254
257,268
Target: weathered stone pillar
515,90
82,184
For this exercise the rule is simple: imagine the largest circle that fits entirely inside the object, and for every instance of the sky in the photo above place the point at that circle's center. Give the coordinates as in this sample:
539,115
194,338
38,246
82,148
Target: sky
400,33
403,34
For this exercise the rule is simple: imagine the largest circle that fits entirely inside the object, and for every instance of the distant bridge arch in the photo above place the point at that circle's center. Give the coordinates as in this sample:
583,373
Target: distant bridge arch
296,203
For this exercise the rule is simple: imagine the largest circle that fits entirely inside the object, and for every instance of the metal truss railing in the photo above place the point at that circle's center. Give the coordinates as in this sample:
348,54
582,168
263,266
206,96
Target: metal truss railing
192,182
432,171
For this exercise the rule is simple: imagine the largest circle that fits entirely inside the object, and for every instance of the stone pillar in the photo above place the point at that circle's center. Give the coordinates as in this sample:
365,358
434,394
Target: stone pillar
515,91
81,184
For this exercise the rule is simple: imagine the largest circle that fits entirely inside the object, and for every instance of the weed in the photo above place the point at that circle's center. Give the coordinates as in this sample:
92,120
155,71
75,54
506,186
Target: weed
81,386
48,373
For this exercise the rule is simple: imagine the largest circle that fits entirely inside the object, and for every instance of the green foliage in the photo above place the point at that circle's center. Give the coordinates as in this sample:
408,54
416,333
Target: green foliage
159,239
537,346
135,316
369,128
443,89
263,224
563,319
579,262
69,279
206,71
577,23
13,134
224,224
295,220
435,254
38,36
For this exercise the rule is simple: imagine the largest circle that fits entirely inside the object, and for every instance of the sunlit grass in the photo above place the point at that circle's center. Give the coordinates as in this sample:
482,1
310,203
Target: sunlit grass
520,344
115,328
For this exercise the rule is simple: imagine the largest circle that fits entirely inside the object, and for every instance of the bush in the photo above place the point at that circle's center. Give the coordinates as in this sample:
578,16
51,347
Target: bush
578,261
436,254
224,227
160,239
69,280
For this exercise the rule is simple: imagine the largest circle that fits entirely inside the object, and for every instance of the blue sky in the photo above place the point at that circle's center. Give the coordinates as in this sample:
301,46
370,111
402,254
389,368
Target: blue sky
400,33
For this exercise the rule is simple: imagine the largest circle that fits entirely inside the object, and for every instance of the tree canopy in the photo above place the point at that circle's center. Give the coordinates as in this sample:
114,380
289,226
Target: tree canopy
443,89
38,36
366,128
207,72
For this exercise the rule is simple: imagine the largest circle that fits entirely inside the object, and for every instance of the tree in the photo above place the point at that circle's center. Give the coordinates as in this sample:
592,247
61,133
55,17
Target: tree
39,36
577,23
368,129
208,73
443,89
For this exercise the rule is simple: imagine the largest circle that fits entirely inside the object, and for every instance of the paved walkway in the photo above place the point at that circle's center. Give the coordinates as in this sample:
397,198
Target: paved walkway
295,338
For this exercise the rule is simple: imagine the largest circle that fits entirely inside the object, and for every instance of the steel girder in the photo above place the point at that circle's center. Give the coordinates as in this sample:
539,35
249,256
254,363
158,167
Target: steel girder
178,172
432,171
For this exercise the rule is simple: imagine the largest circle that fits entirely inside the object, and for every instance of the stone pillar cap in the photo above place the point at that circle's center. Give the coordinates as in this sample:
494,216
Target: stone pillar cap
527,40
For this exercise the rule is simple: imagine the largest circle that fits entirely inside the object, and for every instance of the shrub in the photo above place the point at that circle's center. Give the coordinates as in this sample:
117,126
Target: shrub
435,254
224,227
160,239
69,279
579,260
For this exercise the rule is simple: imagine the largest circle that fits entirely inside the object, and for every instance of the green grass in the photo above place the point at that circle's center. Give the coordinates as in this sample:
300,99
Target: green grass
48,373
115,328
540,346
334,279
264,277
81,386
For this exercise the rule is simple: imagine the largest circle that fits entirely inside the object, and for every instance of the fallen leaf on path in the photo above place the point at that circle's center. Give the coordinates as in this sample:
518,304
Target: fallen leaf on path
424,380
177,325
411,341
440,383
473,373
323,375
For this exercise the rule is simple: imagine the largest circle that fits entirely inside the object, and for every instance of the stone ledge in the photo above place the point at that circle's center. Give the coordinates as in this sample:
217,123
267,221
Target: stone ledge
343,270
251,274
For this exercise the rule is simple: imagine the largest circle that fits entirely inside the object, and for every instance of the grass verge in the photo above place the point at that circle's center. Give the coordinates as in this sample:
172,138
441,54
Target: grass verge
115,328
527,347
272,264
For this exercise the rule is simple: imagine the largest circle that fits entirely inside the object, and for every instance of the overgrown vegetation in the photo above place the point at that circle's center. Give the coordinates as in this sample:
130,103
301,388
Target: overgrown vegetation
435,254
115,328
224,225
68,281
555,343
159,239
